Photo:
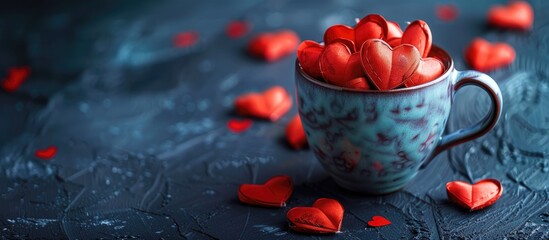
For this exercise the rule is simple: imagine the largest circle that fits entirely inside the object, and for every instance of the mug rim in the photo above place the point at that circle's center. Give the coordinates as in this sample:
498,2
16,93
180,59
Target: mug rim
446,60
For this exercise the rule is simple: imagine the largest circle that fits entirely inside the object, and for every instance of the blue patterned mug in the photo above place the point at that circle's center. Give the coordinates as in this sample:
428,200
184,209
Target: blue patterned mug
376,142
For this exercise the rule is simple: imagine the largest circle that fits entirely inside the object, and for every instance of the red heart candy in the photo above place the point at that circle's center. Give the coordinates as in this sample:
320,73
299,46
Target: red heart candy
477,196
418,34
517,15
325,216
339,67
238,126
378,221
46,153
429,69
484,56
271,104
446,12
16,77
237,29
185,39
295,134
272,46
373,26
273,193
387,67
340,33
394,34
308,54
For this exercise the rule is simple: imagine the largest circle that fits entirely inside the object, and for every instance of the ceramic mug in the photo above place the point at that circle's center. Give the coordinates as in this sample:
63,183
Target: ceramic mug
377,141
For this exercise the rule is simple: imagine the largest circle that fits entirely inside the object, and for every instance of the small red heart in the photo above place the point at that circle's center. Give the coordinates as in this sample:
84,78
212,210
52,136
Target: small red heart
295,134
394,33
339,67
271,104
419,35
484,56
325,216
428,70
387,67
273,193
446,12
238,126
46,153
477,196
16,77
237,29
516,15
378,221
272,46
308,54
186,39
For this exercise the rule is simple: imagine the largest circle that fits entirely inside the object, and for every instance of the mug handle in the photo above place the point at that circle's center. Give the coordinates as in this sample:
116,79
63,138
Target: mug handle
482,127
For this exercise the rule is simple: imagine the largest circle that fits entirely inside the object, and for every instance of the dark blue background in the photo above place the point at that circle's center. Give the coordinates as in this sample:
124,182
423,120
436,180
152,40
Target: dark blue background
144,151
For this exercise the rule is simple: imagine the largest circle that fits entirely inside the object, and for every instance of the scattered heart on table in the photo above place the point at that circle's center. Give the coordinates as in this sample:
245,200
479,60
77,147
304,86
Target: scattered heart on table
295,135
186,39
16,76
273,193
379,221
446,12
387,67
271,104
237,29
477,196
308,54
516,15
341,67
46,153
272,46
238,126
325,216
483,56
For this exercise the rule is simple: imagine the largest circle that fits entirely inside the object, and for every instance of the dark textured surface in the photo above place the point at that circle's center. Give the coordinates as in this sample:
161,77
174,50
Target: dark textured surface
144,151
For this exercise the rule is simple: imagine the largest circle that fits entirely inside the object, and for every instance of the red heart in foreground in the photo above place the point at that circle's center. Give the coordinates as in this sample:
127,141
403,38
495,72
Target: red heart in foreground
16,77
308,54
238,126
339,67
273,193
477,196
272,46
389,67
46,153
271,104
484,56
325,216
378,221
295,134
517,15
428,70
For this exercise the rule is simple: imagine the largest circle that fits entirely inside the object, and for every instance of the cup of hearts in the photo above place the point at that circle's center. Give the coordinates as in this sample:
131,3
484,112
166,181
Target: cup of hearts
374,101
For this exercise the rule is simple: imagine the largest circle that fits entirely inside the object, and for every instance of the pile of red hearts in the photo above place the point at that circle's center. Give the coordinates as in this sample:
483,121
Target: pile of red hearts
374,54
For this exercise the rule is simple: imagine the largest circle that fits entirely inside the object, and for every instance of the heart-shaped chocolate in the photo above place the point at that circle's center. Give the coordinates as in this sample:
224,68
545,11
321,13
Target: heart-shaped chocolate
272,46
516,15
273,193
308,54
325,216
341,67
485,56
477,196
419,35
388,68
271,104
428,70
